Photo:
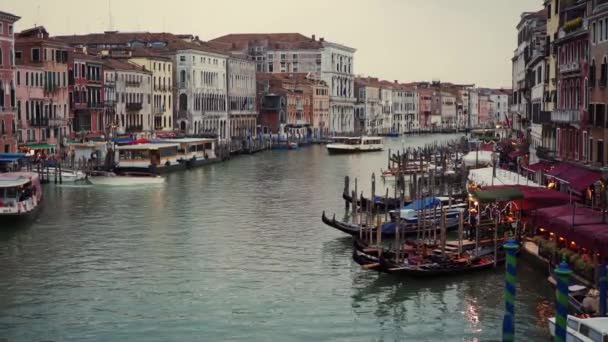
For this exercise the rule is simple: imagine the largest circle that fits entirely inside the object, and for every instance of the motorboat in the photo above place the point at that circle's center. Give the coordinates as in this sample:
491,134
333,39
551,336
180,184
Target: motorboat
125,179
593,329
20,193
68,176
355,144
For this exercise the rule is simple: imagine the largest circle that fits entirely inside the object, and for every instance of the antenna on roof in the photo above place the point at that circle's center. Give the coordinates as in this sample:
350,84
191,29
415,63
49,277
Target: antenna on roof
37,15
110,21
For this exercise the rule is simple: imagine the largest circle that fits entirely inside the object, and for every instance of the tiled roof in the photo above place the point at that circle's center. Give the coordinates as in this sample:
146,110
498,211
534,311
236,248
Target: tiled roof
239,41
170,41
121,64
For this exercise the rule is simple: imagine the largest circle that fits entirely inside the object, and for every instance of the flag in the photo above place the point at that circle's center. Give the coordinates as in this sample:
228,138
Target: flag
508,123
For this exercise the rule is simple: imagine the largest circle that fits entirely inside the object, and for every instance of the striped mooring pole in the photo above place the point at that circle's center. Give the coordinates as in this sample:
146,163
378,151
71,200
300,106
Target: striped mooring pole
562,273
508,323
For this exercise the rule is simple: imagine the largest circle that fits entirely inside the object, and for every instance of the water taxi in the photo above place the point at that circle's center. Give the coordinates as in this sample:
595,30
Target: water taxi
355,144
20,193
154,158
194,152
584,329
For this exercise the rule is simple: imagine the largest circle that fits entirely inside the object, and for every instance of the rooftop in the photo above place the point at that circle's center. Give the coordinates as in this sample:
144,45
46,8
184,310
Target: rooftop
240,41
121,64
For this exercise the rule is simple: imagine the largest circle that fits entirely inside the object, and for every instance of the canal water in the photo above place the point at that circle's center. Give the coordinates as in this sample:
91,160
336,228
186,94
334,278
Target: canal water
234,252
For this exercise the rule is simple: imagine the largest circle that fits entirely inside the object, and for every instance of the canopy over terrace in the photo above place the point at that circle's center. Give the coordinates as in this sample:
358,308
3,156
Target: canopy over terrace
534,198
576,177
580,225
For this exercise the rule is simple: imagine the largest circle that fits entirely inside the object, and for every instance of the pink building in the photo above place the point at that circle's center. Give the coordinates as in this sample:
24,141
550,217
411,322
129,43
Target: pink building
425,107
8,141
42,89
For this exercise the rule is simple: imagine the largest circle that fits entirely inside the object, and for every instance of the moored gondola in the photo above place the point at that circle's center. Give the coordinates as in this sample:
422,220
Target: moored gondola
348,228
378,204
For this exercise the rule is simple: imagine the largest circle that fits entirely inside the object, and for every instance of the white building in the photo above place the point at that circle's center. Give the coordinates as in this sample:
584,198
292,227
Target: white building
201,92
500,105
292,52
405,112
537,67
242,110
367,90
128,96
448,110
474,108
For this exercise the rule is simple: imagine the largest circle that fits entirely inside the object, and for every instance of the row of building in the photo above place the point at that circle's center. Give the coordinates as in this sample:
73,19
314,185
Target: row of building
560,79
55,88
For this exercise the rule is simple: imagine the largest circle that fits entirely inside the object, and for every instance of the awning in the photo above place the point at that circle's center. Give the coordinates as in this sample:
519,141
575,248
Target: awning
498,194
545,166
581,225
535,198
577,177
40,146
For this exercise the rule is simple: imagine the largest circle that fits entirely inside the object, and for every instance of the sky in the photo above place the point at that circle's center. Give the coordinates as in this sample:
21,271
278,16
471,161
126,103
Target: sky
459,41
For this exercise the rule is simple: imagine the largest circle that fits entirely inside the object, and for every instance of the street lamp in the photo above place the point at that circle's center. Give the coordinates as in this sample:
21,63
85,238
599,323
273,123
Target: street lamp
494,161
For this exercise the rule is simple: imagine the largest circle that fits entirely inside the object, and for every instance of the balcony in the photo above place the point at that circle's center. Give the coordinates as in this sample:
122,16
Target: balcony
182,113
110,103
570,67
132,84
134,106
542,117
42,122
158,111
182,85
57,122
95,105
566,116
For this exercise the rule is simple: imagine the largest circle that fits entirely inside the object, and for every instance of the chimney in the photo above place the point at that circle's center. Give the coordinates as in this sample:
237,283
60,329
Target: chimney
396,82
313,37
321,39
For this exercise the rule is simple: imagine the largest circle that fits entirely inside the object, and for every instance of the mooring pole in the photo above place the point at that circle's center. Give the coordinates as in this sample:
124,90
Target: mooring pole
562,273
508,323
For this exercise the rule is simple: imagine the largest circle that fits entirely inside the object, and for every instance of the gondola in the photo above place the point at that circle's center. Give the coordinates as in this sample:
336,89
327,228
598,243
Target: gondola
380,203
364,256
452,267
348,228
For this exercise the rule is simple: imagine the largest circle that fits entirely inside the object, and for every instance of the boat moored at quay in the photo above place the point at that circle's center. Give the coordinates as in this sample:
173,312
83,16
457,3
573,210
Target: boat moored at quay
355,144
194,152
20,193
154,158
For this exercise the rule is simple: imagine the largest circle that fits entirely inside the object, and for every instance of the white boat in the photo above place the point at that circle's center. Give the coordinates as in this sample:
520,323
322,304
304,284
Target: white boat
355,144
68,176
593,329
130,179
193,152
20,193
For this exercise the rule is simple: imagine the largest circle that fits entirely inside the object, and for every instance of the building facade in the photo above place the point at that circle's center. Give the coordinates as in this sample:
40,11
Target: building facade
242,109
86,91
128,97
405,105
571,116
162,86
42,88
8,138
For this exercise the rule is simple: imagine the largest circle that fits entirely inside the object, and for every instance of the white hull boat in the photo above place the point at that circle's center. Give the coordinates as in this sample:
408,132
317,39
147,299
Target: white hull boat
68,176
355,144
111,179
583,329
20,193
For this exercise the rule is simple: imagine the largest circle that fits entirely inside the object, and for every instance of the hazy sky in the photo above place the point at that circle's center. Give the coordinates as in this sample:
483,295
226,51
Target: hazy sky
454,40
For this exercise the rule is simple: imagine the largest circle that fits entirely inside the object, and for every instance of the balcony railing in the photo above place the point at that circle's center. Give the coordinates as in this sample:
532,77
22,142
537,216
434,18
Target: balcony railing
57,122
95,104
134,106
543,117
132,83
182,85
570,67
182,113
42,122
158,110
566,116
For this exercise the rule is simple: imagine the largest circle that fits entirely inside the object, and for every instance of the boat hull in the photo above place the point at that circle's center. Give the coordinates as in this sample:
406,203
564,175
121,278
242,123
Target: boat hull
340,150
125,181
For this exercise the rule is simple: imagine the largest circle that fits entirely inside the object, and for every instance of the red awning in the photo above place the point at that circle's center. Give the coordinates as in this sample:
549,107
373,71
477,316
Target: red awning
543,165
536,197
487,147
586,229
139,141
579,178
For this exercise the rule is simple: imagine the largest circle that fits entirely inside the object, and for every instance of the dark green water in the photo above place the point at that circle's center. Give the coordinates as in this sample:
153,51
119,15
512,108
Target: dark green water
236,252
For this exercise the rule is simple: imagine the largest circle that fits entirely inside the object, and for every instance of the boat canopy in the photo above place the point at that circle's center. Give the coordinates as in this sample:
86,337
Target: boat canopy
536,197
423,203
147,146
502,194
15,179
11,157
